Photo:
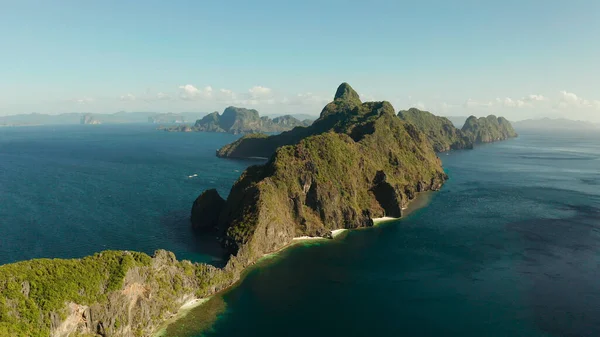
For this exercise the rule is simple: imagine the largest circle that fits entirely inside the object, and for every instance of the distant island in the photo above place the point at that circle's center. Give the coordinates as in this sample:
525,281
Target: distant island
167,118
240,121
442,134
555,124
357,164
440,131
120,117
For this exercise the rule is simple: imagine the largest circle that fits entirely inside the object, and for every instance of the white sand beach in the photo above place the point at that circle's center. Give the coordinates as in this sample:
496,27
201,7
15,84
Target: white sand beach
337,232
377,221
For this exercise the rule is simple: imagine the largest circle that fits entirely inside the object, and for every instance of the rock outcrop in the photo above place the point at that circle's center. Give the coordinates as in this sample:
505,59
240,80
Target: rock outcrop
357,162
206,210
439,130
488,129
241,121
112,293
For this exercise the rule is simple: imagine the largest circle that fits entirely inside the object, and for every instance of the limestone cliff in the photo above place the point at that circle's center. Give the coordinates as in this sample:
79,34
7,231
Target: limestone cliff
488,129
112,293
357,162
439,130
241,121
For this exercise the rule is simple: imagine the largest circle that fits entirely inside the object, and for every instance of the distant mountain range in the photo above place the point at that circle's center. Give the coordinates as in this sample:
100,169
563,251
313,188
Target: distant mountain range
554,124
539,124
121,117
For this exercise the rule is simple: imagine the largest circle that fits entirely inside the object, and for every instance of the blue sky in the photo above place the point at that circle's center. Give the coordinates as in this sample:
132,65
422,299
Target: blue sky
520,59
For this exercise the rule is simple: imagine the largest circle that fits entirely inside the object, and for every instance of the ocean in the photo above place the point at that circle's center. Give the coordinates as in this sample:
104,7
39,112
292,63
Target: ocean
509,247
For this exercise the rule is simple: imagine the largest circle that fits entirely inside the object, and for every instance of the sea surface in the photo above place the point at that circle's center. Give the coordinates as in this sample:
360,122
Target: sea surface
70,191
509,247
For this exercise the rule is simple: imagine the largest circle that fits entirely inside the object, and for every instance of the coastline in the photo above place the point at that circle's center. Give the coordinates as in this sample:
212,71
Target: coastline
420,201
183,310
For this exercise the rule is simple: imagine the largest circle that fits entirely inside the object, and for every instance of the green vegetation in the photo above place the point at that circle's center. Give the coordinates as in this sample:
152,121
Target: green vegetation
358,161
240,120
488,129
339,115
118,289
441,132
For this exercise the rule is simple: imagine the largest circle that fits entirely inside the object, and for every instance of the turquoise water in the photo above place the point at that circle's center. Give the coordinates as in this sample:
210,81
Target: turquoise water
509,247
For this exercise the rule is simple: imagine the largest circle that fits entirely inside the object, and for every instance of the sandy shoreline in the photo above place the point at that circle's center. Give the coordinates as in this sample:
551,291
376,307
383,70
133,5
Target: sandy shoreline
377,221
193,303
183,310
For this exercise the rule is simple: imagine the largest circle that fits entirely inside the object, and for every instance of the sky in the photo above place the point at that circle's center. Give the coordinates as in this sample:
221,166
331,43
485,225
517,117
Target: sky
520,59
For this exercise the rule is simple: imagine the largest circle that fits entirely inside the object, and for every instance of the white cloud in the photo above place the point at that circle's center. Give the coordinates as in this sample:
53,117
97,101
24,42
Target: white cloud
470,103
419,105
190,92
258,92
225,95
534,98
571,100
128,97
84,100
161,96
510,103
304,99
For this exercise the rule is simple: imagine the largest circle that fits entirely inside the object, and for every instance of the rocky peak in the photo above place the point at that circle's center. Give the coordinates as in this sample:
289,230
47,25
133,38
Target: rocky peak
346,93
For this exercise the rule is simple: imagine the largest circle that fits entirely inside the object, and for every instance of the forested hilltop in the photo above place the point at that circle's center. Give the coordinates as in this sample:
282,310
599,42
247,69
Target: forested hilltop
240,121
440,131
112,293
488,129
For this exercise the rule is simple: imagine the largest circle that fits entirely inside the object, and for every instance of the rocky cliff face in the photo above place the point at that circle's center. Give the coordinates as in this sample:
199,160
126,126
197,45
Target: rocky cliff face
439,130
357,162
241,121
488,129
113,293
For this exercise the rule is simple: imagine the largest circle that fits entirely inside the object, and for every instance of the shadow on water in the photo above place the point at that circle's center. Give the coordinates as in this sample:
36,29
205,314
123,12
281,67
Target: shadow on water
561,259
177,225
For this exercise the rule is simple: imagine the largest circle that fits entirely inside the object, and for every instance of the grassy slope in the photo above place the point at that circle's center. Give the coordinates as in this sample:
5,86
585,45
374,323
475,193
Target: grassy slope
488,129
34,293
441,132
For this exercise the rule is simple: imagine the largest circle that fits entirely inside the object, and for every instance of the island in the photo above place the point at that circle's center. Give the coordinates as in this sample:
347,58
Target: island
240,121
305,189
488,129
440,131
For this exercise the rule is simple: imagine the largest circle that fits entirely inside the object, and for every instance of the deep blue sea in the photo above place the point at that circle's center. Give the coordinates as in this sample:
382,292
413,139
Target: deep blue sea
70,191
509,247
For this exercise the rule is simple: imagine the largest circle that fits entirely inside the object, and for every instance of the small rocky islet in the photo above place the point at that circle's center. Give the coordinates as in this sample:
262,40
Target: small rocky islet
302,190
